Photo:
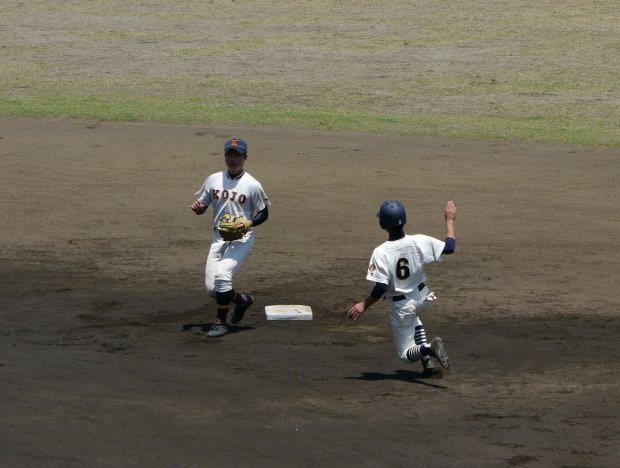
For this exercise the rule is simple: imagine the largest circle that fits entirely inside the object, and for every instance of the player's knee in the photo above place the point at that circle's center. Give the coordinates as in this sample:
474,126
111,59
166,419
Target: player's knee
223,282
210,287
403,357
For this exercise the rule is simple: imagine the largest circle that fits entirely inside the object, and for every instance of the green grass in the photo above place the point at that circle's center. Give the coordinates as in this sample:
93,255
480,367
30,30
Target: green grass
194,111
491,70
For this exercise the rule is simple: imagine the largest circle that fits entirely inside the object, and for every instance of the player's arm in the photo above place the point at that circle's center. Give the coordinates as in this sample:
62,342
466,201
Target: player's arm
450,216
358,309
260,217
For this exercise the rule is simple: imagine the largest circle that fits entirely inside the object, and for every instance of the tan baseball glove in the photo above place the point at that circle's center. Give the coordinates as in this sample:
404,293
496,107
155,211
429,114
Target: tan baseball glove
233,227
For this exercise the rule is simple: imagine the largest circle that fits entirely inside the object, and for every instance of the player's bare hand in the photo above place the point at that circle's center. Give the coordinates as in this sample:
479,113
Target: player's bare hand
356,311
450,211
198,207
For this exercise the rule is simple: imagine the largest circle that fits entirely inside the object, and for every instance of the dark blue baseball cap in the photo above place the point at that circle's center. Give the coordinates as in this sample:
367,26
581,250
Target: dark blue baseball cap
236,144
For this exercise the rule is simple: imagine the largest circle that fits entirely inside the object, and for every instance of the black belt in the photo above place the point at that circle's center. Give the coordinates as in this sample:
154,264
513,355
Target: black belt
402,297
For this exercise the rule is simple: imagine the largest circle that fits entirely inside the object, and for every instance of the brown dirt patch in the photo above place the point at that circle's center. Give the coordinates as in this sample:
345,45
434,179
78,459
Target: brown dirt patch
106,362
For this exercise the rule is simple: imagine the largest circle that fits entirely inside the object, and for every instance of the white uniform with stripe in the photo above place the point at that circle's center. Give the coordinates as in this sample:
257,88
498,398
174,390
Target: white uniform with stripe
242,196
399,264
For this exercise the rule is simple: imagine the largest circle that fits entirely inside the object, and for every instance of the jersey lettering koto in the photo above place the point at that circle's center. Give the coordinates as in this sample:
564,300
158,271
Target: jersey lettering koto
399,263
241,196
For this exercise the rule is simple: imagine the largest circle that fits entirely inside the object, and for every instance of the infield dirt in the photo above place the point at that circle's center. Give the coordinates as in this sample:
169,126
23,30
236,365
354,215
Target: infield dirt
105,360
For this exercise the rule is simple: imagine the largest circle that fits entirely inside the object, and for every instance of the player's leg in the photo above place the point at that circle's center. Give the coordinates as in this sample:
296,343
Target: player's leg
215,255
420,339
231,260
420,333
218,247
435,348
404,319
405,324
242,301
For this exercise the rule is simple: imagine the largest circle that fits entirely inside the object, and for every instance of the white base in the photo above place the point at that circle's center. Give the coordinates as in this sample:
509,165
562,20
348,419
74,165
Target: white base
288,312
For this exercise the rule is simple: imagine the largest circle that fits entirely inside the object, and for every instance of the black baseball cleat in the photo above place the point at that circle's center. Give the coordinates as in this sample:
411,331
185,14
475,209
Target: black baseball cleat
429,367
439,353
240,309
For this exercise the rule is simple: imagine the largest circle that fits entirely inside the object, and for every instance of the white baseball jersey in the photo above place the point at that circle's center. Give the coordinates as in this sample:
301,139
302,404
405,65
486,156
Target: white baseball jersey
241,196
399,263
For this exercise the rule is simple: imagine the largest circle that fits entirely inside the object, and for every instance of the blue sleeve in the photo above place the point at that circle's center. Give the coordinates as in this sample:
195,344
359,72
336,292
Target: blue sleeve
260,217
379,290
450,246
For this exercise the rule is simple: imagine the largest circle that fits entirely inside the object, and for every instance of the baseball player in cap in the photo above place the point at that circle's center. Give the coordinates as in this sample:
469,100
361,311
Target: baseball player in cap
396,267
232,193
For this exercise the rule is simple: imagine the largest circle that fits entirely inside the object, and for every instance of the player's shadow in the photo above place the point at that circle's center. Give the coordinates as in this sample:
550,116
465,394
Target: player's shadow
403,375
205,327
